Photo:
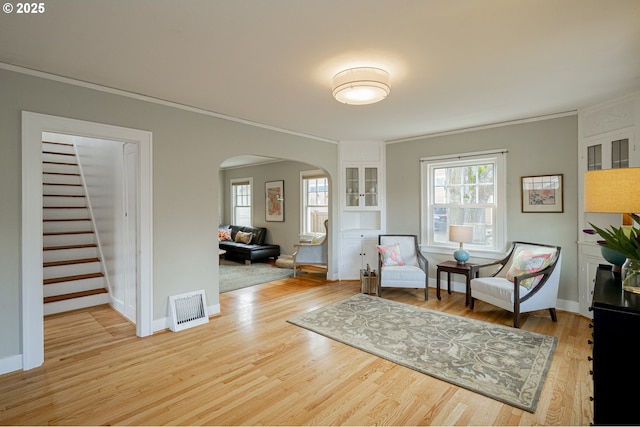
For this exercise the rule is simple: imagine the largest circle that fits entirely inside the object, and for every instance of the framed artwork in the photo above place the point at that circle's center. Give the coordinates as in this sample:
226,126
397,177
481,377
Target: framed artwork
274,201
542,194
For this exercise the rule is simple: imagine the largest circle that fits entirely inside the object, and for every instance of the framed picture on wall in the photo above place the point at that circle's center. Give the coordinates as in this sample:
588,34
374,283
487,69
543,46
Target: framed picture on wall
274,201
542,194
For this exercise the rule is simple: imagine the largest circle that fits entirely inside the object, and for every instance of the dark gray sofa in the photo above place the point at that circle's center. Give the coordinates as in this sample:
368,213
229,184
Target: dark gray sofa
255,250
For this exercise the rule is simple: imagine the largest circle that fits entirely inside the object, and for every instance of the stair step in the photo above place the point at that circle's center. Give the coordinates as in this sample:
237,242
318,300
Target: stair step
75,304
63,184
66,219
64,200
64,251
77,213
66,238
61,233
69,287
47,162
71,278
63,168
61,173
74,295
63,247
58,153
70,262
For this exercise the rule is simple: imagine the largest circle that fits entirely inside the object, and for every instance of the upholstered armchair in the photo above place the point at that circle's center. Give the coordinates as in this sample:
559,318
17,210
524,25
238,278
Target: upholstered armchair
401,264
312,254
526,280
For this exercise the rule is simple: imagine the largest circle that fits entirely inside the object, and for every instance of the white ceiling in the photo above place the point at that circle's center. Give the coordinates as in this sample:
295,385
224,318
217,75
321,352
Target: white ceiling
454,64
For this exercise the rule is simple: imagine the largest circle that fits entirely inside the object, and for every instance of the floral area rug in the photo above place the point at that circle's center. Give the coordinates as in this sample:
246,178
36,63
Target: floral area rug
506,364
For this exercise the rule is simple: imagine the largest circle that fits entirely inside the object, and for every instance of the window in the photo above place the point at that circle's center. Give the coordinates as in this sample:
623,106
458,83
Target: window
466,190
241,201
315,201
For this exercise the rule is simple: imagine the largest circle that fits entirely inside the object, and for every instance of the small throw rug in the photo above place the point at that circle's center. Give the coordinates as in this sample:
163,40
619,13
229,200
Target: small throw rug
503,363
235,275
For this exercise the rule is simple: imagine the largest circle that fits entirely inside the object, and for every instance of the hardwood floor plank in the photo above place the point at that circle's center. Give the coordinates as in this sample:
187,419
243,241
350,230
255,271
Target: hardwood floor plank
249,366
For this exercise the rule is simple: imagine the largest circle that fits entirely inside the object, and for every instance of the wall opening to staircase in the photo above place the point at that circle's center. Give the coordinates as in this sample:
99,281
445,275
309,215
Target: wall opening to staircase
64,190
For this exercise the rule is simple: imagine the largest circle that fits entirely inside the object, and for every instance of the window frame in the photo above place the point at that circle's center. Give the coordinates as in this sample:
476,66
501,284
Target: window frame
305,175
428,164
236,182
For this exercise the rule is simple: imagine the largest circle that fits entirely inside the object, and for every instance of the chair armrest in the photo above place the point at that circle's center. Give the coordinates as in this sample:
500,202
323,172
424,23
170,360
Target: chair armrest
545,272
423,263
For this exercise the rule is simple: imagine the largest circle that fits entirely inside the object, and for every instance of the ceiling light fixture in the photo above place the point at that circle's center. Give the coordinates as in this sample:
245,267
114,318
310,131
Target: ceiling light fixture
361,86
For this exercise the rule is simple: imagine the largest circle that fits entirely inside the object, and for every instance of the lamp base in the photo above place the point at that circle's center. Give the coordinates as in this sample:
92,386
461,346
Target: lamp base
461,256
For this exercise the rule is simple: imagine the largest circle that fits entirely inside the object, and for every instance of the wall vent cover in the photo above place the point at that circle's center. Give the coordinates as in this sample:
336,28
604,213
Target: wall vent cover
188,310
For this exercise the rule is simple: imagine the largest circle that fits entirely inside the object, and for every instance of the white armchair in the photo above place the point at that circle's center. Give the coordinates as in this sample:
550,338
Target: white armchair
312,254
412,269
526,280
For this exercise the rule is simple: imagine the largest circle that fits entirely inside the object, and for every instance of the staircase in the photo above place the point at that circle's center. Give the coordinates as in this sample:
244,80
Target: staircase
72,270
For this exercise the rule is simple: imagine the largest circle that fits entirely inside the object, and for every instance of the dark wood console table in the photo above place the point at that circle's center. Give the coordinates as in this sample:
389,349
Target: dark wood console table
616,324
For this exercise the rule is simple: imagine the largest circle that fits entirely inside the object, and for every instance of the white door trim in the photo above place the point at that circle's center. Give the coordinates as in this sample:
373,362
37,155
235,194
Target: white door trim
33,124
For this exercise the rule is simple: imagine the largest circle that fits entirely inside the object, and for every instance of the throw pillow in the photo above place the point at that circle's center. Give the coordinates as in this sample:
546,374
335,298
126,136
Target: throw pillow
224,234
390,255
242,237
528,262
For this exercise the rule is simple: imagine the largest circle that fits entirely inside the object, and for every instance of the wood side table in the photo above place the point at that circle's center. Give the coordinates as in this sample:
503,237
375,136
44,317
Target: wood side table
469,270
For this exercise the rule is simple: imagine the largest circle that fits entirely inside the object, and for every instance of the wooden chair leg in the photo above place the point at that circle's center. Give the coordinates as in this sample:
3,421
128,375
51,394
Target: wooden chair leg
554,317
426,293
472,303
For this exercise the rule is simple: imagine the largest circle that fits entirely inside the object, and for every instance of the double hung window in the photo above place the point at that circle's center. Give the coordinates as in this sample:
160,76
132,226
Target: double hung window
315,201
466,190
241,201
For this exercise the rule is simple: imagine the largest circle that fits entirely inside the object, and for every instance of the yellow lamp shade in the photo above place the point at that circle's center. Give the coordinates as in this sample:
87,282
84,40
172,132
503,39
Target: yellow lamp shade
612,190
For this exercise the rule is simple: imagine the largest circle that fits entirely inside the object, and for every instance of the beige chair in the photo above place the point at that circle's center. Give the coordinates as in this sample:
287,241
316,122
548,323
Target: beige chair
414,271
312,254
527,279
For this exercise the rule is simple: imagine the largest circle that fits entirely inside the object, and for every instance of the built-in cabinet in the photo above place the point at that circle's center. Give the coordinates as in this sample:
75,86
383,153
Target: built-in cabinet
361,205
608,138
361,183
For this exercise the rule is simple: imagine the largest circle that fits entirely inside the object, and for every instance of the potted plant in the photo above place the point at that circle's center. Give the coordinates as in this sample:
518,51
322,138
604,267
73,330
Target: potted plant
625,240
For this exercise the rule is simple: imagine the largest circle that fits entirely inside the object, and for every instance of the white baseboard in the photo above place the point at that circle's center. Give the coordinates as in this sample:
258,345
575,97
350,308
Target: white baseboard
10,364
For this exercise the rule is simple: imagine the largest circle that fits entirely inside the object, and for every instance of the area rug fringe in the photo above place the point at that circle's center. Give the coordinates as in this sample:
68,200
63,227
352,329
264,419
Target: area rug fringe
506,364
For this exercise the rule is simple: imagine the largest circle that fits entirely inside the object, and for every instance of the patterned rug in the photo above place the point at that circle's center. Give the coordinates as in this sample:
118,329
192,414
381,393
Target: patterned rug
503,363
235,275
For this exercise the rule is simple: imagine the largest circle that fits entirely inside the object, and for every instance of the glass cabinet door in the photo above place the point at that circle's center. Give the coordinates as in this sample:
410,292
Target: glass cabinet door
352,186
617,157
371,186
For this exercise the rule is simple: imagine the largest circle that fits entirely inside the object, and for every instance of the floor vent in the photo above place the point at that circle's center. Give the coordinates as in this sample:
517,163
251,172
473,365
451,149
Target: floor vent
188,310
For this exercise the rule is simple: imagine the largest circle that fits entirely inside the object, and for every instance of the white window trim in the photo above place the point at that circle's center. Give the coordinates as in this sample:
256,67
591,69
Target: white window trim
498,156
231,197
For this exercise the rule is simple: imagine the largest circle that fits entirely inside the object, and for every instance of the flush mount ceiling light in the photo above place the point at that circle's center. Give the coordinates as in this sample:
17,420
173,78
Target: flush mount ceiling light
361,86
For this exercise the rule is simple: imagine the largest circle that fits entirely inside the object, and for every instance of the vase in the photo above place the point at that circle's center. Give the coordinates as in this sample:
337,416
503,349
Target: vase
613,257
630,275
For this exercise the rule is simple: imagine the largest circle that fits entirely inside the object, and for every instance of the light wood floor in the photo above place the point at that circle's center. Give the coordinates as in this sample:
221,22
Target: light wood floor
248,366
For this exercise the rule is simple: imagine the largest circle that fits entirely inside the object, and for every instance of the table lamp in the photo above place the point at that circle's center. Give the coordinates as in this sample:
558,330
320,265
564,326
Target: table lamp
462,234
613,191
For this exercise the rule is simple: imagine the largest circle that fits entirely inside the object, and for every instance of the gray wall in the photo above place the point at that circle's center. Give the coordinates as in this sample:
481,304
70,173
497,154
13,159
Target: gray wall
535,148
286,233
188,148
